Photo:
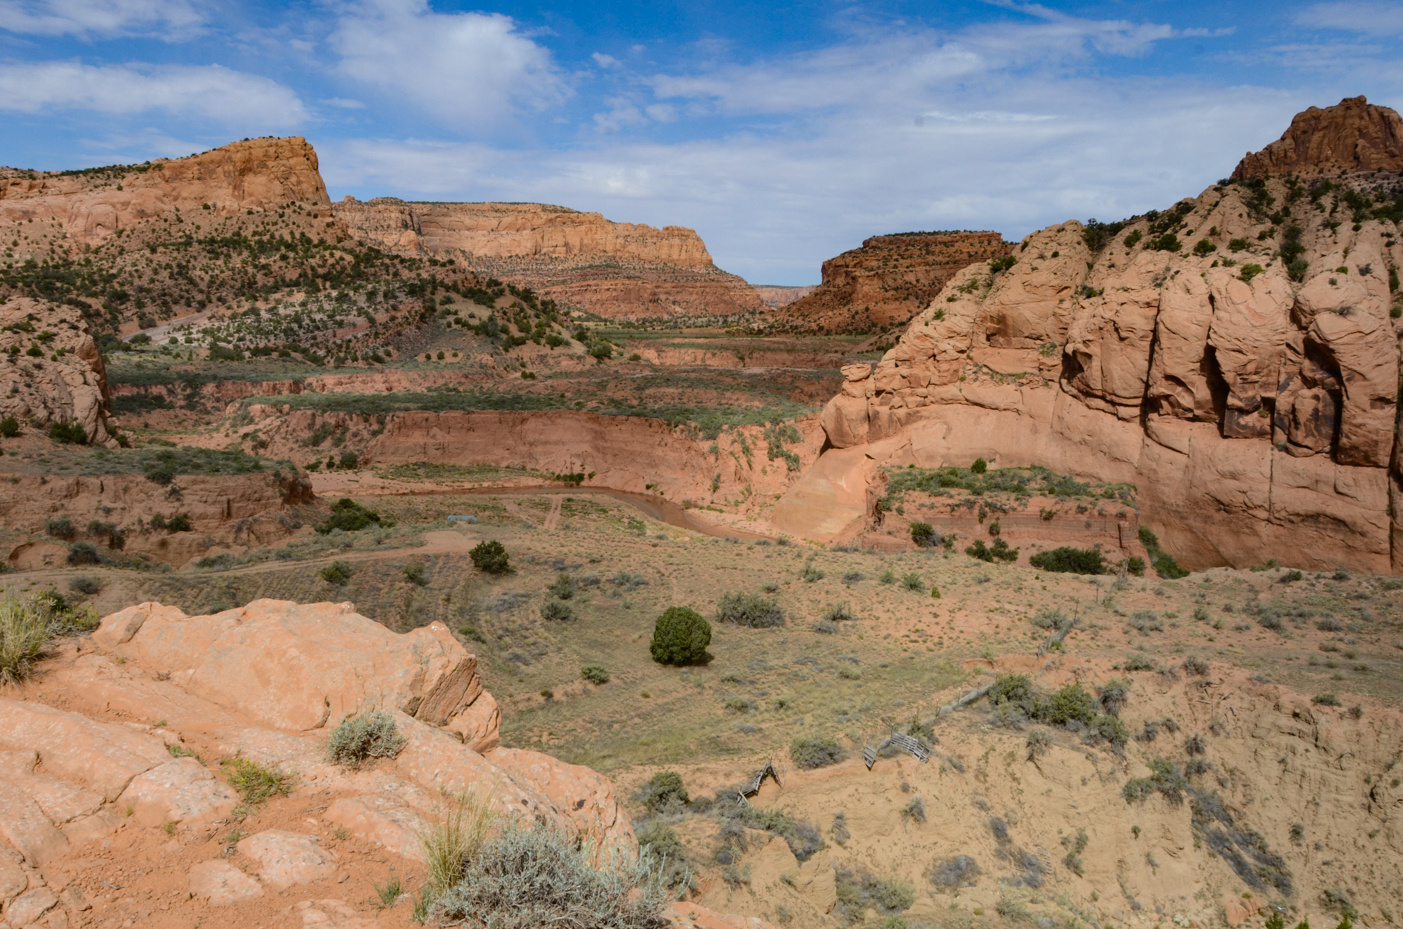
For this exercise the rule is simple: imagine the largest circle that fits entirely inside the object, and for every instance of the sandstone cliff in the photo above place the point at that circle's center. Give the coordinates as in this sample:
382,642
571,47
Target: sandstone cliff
88,206
889,279
50,369
1351,136
582,260
1236,357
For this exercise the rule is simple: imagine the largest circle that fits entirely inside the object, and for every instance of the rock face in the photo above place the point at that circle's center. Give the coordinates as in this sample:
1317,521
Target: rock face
1350,136
89,206
889,279
582,260
50,369
1236,357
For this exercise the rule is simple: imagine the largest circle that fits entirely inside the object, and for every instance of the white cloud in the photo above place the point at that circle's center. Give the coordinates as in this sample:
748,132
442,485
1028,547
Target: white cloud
343,103
464,68
606,61
168,19
212,92
1370,18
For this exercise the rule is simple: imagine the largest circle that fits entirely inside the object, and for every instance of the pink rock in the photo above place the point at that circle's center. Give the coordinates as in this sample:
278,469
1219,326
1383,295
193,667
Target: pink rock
25,826
381,819
28,907
288,858
222,884
584,796
330,914
181,790
98,756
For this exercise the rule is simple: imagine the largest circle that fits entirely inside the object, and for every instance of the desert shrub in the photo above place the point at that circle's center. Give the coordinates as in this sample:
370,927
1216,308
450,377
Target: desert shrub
336,574
595,673
959,871
747,609
1325,699
913,581
1145,621
887,577
414,574
1138,663
60,528
999,551
1039,741
857,893
979,466
811,574
349,516
1075,846
825,627
26,626
490,557
661,844
1108,728
557,611
68,434
915,810
665,793
1135,565
802,837
1196,666
1071,703
563,587
1164,564
680,637
840,831
255,782
1195,745
80,553
180,522
1114,696
838,612
924,535
359,738
739,704
1165,778
1329,624
85,585
1052,619
9,427
1069,560
854,577
1290,577
809,752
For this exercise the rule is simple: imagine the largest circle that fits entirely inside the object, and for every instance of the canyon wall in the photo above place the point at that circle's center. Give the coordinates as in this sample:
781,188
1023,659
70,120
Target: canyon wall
889,279
86,207
1236,357
581,260
50,369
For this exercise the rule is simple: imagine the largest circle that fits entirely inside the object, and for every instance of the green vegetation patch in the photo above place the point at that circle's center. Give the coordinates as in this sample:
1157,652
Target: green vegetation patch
1016,482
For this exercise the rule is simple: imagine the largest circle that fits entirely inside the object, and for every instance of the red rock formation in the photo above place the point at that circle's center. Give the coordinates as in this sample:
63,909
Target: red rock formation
1254,405
258,174
1352,135
617,270
50,368
889,279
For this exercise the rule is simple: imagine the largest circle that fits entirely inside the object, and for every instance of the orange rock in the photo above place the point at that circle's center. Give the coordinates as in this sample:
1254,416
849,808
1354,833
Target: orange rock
1352,135
66,383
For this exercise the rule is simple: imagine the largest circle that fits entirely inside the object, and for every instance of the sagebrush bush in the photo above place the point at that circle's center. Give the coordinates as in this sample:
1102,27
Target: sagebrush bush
680,637
959,871
80,553
595,673
924,535
557,611
1070,560
349,516
838,612
336,574
747,609
665,793
538,877
811,752
364,736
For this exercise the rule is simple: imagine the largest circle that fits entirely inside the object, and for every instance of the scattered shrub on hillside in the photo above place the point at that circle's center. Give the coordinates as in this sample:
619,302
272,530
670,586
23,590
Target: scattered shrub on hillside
979,466
680,637
563,587
490,557
81,553
887,577
538,877
747,609
913,581
665,793
85,585
854,577
1114,696
68,434
1325,699
659,842
999,551
349,516
959,871
595,673
1138,663
1165,777
1196,666
840,831
924,535
915,810
60,529
1070,560
839,612
1145,621
557,611
359,738
414,574
857,893
336,574
1163,562
1135,565
1039,741
9,427
180,522
809,752
1052,619
1016,702
811,573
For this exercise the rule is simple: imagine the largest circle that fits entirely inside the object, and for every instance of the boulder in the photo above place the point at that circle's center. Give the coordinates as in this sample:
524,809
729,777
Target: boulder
179,791
585,797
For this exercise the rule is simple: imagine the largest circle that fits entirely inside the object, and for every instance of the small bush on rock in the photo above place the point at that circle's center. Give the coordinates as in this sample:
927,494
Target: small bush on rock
68,434
359,738
680,637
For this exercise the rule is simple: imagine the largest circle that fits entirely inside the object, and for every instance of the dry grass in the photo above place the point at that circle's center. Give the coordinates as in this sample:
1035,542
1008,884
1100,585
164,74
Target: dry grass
25,629
453,838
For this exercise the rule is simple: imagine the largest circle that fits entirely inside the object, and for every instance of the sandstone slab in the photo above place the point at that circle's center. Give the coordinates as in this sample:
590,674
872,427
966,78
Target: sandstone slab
28,907
182,790
286,859
98,756
222,884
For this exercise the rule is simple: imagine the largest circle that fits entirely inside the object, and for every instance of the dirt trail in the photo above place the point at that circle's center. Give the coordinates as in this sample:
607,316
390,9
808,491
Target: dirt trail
553,517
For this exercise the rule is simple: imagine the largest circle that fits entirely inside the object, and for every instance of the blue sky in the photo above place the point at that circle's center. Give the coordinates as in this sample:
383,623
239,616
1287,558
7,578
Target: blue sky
784,132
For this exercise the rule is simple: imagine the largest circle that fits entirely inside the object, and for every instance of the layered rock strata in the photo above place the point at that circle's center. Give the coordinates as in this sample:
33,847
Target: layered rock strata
889,279
1351,136
581,260
1236,357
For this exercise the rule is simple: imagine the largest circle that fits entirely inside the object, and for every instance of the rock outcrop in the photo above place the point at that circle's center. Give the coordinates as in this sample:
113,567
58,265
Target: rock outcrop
1350,136
889,279
50,369
581,260
89,206
1236,357
156,696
